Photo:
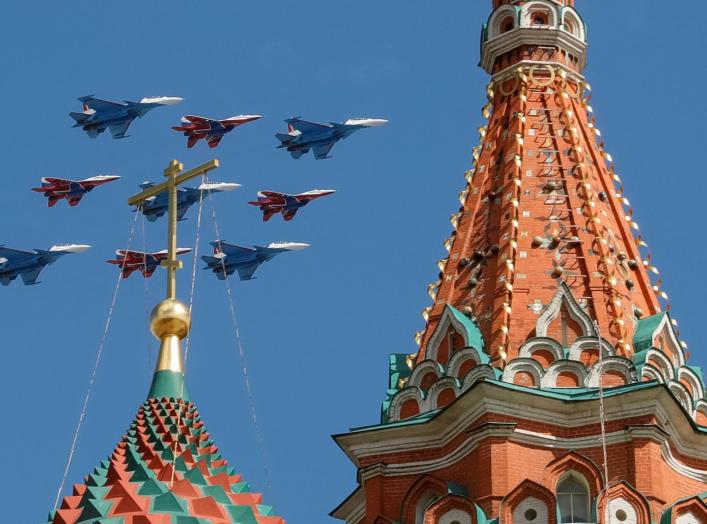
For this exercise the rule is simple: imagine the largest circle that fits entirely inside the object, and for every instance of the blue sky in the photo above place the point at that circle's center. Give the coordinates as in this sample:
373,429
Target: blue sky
316,325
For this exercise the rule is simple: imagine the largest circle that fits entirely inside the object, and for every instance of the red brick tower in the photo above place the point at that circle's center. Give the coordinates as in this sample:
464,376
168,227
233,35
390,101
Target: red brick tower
550,384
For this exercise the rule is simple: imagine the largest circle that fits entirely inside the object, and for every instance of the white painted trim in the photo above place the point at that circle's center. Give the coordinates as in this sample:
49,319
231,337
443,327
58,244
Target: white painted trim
545,37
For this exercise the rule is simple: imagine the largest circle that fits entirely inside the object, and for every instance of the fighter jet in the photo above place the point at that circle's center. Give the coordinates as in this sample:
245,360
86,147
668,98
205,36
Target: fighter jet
320,138
72,190
130,261
198,127
97,114
28,264
156,206
228,258
271,202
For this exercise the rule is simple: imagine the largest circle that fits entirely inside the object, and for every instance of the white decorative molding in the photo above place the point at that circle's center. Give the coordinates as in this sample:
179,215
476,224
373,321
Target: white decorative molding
459,358
538,343
532,36
578,369
583,343
564,297
619,364
422,369
438,387
527,365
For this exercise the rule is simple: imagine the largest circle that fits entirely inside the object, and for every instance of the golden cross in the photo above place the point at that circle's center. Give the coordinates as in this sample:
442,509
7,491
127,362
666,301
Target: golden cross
174,179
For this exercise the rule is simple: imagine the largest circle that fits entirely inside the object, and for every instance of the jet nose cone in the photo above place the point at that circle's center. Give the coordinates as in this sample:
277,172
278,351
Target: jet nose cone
375,122
219,186
162,100
70,248
295,246
171,100
366,122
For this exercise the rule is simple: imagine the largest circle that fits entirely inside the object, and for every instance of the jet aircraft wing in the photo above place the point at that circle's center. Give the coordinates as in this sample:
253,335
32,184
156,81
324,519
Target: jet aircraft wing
99,104
52,180
119,130
30,276
246,272
232,249
15,255
322,151
305,125
214,140
181,211
289,215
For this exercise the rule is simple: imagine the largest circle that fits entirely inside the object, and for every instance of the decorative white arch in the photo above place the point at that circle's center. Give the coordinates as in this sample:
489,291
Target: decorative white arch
538,343
399,399
477,374
569,14
459,358
683,396
527,365
497,18
552,310
689,376
661,362
438,387
584,343
652,373
618,364
561,366
545,6
422,369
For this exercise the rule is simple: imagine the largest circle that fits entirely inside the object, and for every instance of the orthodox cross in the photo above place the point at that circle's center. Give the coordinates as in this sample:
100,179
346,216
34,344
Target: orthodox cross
174,179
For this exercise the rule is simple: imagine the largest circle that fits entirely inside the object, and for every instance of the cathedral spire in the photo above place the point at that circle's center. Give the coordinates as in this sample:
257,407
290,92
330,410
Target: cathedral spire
541,211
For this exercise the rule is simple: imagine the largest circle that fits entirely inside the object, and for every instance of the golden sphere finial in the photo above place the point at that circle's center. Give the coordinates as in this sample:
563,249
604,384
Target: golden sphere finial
170,317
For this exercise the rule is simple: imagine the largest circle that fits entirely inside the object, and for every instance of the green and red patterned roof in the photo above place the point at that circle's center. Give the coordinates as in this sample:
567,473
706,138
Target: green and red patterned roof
165,470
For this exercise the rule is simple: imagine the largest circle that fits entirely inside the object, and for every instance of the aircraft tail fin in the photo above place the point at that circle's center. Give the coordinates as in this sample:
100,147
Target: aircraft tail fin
283,137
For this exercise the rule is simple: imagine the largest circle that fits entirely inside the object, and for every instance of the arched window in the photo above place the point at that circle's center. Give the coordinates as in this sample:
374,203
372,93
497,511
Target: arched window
507,24
573,499
539,18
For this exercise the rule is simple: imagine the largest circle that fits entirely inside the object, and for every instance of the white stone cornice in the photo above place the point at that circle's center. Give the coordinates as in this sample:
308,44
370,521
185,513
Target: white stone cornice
353,509
489,397
541,37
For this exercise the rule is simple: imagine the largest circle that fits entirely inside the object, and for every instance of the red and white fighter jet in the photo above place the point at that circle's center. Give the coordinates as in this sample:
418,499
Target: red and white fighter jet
72,190
197,127
130,261
272,202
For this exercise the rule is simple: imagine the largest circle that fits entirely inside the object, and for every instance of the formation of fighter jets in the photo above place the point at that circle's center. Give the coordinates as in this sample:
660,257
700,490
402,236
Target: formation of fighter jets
98,114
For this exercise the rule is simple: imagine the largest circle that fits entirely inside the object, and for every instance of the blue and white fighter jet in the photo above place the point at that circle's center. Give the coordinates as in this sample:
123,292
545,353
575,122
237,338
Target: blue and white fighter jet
28,264
99,115
320,138
156,206
229,258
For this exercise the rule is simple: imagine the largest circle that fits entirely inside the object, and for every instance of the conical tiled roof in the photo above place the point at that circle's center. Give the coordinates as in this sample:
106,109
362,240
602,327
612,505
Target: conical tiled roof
165,470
